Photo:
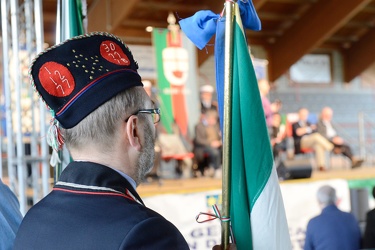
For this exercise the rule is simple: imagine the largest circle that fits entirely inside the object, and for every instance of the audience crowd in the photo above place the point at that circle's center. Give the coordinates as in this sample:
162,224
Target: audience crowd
291,135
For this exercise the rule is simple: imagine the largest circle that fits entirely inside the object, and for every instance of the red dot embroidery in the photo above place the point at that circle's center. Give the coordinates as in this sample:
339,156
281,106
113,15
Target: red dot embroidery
56,79
113,53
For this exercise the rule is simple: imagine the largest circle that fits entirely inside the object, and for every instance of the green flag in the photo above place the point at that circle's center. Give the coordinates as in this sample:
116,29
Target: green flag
75,18
257,210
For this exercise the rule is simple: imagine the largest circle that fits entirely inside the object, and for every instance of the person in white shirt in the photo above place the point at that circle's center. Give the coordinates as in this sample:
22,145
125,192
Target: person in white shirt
327,129
306,137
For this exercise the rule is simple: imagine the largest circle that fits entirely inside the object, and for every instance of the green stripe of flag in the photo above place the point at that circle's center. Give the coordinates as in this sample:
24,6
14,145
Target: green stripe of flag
75,18
252,159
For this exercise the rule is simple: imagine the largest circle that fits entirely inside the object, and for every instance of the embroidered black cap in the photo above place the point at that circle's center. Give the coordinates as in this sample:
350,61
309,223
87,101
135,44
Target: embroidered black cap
77,76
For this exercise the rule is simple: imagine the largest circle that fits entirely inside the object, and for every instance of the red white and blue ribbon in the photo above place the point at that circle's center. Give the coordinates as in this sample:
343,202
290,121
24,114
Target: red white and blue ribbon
214,216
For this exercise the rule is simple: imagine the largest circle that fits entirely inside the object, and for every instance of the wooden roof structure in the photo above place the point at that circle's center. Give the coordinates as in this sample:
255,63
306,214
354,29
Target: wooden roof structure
290,28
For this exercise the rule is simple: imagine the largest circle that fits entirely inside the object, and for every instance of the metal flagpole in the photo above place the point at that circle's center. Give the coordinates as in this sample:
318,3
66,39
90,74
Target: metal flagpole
42,106
227,121
29,46
21,166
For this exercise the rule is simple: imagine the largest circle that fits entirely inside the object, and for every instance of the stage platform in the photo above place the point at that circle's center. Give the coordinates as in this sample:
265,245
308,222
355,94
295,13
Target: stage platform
172,185
200,184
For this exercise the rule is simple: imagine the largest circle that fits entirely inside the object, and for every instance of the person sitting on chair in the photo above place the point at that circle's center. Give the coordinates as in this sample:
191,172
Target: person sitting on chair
326,129
207,141
305,137
206,98
278,135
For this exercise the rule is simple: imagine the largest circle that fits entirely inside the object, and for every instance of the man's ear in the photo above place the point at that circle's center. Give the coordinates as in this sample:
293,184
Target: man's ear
132,131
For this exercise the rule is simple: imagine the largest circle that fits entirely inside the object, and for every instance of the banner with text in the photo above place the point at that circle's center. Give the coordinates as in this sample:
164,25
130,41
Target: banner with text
299,200
176,79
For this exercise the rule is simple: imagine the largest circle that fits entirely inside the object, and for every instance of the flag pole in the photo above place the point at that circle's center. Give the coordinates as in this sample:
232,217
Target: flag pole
227,121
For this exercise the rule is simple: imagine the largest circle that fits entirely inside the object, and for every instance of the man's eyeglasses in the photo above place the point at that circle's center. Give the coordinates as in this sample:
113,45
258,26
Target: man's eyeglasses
154,112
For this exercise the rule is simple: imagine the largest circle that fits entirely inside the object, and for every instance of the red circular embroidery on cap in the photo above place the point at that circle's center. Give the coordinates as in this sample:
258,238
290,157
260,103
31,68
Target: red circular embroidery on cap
113,53
56,79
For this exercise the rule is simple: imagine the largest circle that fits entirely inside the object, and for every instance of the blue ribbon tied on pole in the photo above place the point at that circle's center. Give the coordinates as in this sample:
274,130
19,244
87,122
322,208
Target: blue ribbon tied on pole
200,27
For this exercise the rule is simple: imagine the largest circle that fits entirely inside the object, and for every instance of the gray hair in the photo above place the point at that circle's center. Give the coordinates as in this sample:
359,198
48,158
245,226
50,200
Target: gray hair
101,125
327,195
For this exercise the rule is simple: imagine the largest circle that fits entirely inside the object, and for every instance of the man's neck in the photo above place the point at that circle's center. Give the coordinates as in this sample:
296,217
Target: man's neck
117,161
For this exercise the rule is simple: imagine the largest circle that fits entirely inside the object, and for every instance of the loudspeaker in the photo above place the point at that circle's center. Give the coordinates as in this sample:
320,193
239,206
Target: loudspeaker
359,203
297,168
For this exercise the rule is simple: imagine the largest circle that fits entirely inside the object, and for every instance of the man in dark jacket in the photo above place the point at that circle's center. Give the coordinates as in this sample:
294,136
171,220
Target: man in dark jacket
369,235
92,86
333,228
207,141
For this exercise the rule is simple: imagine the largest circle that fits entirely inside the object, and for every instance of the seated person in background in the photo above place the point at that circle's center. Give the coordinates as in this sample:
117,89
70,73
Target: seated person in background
207,141
206,98
326,129
174,146
305,137
264,89
333,228
278,134
369,235
10,217
276,106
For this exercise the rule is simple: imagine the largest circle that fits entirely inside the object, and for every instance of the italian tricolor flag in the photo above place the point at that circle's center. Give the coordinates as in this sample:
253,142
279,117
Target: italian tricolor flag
257,209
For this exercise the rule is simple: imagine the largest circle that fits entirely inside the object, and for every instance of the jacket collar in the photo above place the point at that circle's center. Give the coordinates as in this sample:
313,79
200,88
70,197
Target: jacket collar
89,176
330,208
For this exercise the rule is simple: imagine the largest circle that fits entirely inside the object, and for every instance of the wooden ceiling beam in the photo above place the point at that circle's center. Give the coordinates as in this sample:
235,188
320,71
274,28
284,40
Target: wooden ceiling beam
111,14
330,45
99,9
342,39
265,33
292,1
142,23
171,6
356,24
259,3
369,9
133,32
359,56
315,26
276,16
135,40
120,10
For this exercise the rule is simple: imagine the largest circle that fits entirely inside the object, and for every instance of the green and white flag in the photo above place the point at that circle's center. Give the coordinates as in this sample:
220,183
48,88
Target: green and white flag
257,209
